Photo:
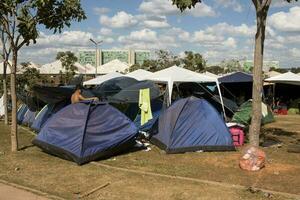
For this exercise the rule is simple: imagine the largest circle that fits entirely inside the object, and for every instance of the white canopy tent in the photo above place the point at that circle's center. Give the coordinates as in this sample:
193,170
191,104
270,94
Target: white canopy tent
211,74
100,79
286,78
113,66
272,74
177,74
139,74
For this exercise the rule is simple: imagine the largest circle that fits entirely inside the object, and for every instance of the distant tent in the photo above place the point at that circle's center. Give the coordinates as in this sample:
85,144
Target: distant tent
86,131
101,79
244,113
28,117
237,86
21,113
286,78
113,66
113,86
131,94
236,77
192,124
139,74
46,113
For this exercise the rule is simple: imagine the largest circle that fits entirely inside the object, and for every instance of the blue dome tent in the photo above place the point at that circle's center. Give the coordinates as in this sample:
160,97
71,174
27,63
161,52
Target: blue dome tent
192,124
21,113
86,131
46,113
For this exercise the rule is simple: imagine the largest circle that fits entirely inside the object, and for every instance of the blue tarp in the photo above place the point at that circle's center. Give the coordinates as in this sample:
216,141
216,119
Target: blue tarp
86,131
236,77
192,124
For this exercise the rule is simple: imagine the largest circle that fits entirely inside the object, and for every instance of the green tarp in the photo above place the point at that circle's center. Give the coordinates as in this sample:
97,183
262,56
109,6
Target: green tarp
243,115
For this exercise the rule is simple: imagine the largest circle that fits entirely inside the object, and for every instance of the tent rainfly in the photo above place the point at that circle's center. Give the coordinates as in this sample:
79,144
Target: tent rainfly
177,74
112,66
286,78
139,74
100,79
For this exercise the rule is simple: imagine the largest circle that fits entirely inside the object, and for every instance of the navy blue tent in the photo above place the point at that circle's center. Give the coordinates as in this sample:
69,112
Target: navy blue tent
236,77
86,131
21,113
46,113
192,124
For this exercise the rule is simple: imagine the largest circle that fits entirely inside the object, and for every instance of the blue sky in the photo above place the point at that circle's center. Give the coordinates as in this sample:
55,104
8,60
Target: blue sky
218,29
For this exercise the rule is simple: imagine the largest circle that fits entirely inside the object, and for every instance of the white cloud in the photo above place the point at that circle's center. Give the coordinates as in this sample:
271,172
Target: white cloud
234,4
120,20
105,31
165,7
286,21
229,42
155,22
282,3
147,39
224,28
202,36
295,52
101,10
67,38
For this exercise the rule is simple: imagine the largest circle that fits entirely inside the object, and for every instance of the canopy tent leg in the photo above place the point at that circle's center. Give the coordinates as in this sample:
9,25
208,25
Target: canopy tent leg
221,98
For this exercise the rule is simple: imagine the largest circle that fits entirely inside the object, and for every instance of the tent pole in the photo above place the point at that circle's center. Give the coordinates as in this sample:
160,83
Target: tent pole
221,98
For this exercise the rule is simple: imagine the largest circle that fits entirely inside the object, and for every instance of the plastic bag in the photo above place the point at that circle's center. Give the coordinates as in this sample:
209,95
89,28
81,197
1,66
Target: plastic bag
252,159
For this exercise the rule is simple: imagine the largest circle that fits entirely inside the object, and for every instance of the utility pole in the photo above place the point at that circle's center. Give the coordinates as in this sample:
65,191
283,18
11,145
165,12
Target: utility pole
97,44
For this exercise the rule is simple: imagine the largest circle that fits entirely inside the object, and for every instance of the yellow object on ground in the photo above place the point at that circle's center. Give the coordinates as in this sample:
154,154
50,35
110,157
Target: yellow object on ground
145,106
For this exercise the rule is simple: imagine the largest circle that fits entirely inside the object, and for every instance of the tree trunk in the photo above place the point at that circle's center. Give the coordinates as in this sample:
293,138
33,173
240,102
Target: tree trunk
5,93
255,126
14,128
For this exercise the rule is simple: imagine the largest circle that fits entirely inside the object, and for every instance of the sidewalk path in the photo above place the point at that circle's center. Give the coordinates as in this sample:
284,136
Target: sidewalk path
11,193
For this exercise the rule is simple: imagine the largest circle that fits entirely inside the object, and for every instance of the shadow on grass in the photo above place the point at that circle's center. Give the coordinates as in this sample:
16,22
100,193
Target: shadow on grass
26,147
277,132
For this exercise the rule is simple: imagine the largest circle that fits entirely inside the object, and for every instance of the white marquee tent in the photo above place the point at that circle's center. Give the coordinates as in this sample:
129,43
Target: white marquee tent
177,74
211,74
113,66
287,78
8,68
139,74
272,73
100,79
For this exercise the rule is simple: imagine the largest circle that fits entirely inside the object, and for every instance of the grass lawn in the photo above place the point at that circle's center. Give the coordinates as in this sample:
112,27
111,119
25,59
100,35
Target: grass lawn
33,168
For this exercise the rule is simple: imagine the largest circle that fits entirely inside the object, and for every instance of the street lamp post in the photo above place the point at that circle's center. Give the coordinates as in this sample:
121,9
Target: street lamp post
97,52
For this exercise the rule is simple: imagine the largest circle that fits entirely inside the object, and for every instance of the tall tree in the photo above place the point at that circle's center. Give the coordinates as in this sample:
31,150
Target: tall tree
20,20
193,61
5,53
261,9
67,60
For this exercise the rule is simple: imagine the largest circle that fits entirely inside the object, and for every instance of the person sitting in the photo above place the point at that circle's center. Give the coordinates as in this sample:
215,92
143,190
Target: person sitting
77,97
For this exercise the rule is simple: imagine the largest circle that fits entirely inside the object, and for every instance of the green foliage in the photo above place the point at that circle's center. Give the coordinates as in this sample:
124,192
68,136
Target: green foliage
68,60
164,59
231,65
184,4
29,78
193,61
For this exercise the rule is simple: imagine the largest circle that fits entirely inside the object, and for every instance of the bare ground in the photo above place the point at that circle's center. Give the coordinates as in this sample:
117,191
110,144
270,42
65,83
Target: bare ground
33,168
